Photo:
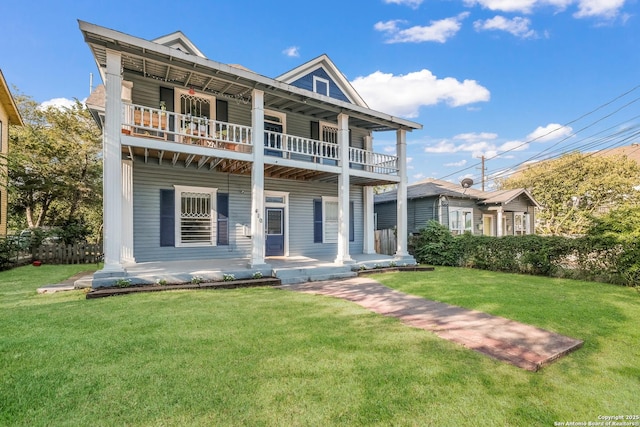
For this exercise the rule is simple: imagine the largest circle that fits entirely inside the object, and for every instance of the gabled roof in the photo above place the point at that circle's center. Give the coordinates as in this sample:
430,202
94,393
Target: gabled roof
9,104
431,187
178,40
503,197
330,68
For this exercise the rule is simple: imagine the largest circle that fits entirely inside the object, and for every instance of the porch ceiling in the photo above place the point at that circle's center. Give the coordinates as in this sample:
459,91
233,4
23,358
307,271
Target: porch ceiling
174,67
236,167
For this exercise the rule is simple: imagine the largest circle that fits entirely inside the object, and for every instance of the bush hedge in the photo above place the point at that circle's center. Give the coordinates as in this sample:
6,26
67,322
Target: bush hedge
608,258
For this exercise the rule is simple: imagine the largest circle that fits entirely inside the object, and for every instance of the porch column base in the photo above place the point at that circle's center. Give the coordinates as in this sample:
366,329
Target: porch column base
404,259
344,261
258,265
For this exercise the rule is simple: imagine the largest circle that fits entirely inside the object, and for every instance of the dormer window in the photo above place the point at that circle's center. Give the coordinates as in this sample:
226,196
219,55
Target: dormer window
321,85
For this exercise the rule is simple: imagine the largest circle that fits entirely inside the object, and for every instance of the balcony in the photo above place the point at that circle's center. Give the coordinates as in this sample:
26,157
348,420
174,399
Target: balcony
144,122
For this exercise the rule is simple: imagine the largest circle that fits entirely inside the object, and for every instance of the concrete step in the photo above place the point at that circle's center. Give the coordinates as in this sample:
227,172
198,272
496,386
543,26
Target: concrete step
317,278
312,274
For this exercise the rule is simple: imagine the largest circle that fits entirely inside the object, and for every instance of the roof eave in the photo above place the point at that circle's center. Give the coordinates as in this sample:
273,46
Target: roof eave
10,104
244,77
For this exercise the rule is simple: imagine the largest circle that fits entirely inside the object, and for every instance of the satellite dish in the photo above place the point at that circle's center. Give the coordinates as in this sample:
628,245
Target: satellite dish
466,183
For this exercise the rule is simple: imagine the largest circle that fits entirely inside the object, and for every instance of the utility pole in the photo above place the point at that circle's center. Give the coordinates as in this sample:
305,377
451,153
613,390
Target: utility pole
482,171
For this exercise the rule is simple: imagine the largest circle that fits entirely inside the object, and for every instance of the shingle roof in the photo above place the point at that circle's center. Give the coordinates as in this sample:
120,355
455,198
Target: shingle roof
431,187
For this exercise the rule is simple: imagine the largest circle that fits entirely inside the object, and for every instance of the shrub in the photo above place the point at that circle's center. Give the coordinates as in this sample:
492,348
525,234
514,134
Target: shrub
607,257
8,253
435,245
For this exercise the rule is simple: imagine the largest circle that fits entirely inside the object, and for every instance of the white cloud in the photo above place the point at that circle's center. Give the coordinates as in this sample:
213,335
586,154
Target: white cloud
438,31
411,3
607,9
513,146
550,132
487,143
523,6
456,164
476,136
516,26
403,95
442,147
292,51
418,176
58,103
599,8
476,148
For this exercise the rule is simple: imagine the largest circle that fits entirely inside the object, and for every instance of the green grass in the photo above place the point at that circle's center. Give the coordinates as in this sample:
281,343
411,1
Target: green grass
263,356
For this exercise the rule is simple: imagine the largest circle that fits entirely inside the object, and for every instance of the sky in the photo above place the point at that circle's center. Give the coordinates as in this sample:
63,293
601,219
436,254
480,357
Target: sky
514,81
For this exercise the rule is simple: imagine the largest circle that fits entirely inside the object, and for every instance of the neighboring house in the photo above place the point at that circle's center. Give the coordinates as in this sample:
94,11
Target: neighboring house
492,213
206,160
9,115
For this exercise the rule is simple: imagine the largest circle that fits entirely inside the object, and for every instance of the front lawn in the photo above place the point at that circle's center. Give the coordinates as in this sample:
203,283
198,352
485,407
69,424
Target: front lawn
264,356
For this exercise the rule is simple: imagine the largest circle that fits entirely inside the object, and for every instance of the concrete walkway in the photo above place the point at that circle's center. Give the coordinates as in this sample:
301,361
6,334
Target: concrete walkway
522,345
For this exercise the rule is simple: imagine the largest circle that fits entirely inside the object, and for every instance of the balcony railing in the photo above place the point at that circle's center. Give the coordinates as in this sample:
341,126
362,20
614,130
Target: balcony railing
184,128
164,125
373,162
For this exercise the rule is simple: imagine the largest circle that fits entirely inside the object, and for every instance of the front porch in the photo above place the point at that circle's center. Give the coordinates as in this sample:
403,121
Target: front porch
293,269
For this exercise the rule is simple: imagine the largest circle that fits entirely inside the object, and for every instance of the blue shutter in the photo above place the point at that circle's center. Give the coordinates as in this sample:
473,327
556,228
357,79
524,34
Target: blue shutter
167,218
352,232
223,219
317,221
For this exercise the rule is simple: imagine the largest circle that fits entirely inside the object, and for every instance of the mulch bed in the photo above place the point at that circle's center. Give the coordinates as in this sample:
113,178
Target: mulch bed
247,283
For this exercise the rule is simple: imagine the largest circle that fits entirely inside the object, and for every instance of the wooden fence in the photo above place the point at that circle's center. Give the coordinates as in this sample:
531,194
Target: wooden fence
79,253
385,241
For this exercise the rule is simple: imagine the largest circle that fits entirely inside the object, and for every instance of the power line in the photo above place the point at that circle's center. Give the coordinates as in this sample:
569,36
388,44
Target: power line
475,165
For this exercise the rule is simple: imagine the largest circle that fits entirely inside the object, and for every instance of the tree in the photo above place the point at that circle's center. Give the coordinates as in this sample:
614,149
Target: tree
55,167
576,187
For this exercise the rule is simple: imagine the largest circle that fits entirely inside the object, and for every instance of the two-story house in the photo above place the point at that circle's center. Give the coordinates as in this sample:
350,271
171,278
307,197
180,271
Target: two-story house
204,160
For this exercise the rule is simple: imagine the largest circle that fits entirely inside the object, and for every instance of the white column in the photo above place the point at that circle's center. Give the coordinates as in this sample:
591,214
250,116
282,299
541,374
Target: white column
257,180
112,171
499,231
401,152
368,245
127,211
343,256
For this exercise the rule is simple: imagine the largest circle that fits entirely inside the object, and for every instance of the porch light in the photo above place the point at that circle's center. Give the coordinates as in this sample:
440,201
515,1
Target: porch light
191,91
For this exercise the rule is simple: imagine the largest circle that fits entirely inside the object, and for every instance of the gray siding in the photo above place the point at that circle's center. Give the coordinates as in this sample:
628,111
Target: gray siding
145,91
386,215
420,212
519,204
238,113
149,179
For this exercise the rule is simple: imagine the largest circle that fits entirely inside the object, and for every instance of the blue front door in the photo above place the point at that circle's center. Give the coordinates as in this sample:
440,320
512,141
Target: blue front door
274,232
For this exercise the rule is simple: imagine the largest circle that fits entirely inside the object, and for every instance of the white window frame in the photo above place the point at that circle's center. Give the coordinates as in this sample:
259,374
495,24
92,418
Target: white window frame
285,204
462,211
213,192
325,238
524,223
281,116
317,79
331,126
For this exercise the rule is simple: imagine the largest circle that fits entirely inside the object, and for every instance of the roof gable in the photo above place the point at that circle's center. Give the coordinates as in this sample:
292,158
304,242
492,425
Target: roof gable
179,41
8,103
322,67
431,187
